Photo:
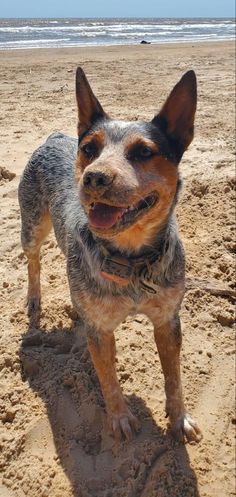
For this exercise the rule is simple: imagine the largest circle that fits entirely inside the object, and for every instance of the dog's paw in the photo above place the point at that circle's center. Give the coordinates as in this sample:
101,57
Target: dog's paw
124,424
186,427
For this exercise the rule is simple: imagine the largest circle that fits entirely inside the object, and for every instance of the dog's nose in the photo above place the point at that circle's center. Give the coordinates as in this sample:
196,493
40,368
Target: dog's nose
97,180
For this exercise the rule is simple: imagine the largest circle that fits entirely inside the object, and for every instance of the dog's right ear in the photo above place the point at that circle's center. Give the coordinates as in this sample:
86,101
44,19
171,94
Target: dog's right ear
89,108
176,117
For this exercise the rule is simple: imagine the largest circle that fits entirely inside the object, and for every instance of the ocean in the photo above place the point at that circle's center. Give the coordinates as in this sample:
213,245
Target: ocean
51,33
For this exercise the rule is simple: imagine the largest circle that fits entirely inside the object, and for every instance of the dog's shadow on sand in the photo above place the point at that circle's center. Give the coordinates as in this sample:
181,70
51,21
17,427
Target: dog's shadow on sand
57,365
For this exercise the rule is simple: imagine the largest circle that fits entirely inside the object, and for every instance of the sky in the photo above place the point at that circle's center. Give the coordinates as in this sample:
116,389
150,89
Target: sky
118,8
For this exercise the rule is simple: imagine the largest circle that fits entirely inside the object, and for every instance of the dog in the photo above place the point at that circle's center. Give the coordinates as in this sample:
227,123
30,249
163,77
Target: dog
110,197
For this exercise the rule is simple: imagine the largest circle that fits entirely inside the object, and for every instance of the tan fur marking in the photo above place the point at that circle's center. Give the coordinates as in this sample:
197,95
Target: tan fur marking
33,277
136,139
32,253
40,233
112,310
162,307
144,230
103,357
121,420
98,138
169,352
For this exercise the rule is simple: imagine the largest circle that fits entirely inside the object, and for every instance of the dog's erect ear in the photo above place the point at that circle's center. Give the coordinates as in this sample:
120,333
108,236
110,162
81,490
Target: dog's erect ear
89,108
176,117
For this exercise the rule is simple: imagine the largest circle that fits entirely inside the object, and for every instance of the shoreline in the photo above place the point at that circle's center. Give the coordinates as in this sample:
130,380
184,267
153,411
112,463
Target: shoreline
120,46
104,50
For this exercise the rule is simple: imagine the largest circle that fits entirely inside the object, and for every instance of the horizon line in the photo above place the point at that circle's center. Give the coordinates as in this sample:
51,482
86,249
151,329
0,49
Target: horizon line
120,17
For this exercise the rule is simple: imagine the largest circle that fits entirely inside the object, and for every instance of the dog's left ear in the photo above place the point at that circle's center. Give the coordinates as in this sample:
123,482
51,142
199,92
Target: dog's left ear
176,117
89,108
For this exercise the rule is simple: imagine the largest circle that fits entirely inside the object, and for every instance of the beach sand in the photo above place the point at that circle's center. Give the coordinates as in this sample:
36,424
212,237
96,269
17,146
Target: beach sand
53,436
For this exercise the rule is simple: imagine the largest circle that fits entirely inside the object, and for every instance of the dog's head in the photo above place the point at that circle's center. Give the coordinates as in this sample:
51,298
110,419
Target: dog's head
127,171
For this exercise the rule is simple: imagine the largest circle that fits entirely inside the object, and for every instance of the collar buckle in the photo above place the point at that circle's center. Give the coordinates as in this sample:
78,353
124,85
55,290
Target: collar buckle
117,266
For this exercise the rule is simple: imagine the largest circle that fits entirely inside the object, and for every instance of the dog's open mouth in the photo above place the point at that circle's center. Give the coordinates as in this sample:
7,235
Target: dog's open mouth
104,216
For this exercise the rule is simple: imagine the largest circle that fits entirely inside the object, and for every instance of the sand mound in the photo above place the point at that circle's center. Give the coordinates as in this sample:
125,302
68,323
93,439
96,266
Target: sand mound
6,175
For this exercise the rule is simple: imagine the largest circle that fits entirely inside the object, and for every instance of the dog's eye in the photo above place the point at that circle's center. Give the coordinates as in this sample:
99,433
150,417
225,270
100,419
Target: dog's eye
141,152
89,149
145,152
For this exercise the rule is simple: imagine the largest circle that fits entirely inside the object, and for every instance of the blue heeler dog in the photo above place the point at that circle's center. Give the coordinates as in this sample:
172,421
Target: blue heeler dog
110,198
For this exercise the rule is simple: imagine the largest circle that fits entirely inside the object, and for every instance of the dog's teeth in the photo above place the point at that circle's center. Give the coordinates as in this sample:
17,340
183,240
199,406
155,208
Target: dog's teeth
128,209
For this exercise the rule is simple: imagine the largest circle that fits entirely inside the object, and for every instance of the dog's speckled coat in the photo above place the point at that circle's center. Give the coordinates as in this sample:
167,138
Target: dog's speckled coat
56,189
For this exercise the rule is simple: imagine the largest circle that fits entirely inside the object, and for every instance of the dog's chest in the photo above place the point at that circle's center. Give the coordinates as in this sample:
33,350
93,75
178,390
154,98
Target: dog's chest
106,312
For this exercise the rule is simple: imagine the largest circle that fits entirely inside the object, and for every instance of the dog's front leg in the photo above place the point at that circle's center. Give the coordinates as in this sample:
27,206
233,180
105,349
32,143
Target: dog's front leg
168,341
102,349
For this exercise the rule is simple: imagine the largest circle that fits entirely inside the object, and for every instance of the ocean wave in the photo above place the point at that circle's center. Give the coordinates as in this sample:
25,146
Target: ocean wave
32,33
117,27
34,42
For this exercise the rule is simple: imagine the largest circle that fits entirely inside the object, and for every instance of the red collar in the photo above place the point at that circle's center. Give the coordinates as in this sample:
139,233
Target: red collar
115,279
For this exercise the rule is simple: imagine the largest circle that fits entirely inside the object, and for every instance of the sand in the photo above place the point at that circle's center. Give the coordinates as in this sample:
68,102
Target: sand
54,440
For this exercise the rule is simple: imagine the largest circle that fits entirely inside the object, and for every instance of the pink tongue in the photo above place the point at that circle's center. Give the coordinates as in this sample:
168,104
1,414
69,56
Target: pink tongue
104,216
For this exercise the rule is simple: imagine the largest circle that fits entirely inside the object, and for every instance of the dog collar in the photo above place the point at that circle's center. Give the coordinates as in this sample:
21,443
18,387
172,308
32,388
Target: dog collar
129,270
